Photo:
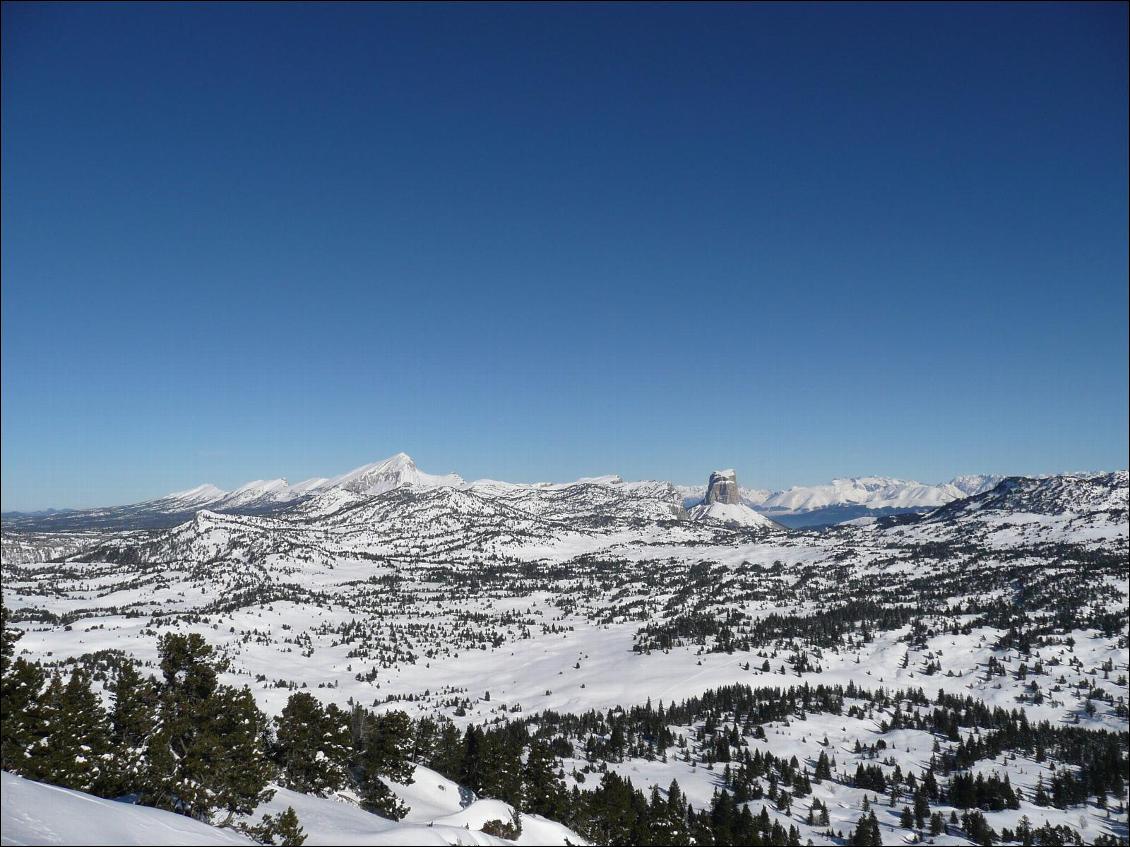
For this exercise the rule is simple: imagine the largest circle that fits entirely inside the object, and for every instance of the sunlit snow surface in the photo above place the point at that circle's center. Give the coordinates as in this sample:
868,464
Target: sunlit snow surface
537,593
34,813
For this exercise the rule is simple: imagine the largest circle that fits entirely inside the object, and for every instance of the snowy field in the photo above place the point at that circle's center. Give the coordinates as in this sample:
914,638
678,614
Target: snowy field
484,605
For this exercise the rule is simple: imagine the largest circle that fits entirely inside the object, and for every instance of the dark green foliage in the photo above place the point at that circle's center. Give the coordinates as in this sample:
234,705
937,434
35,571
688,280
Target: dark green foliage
377,797
978,829
823,768
79,752
188,666
669,817
283,829
312,746
8,639
208,752
387,746
383,750
542,789
39,762
25,719
509,830
133,719
867,832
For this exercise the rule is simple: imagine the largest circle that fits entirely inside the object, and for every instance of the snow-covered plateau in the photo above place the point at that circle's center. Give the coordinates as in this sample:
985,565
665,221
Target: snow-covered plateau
953,662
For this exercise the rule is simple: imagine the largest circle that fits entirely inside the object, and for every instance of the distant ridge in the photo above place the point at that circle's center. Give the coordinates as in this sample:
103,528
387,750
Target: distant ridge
835,502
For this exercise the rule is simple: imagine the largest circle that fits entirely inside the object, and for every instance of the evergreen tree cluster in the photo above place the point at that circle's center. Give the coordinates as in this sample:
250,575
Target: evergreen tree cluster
184,743
189,744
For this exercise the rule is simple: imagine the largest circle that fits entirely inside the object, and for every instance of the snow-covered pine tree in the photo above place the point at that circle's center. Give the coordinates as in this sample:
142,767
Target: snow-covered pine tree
133,718
209,750
79,751
41,724
312,745
283,829
386,749
23,725
240,738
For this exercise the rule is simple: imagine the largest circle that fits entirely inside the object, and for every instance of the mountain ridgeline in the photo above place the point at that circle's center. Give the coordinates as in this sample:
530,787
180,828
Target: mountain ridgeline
597,661
800,506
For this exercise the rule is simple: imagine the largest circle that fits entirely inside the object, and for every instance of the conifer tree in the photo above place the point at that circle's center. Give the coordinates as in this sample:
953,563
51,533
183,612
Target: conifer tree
502,768
237,748
289,832
8,639
24,723
867,832
378,798
209,750
543,789
921,808
283,829
79,751
385,754
823,768
133,718
470,762
41,724
312,746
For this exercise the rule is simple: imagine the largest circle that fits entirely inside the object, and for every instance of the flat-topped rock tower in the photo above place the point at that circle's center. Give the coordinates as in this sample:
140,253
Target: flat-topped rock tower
722,488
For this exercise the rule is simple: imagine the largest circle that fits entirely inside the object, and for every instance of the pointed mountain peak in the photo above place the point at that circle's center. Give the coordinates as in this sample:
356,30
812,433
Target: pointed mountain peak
378,477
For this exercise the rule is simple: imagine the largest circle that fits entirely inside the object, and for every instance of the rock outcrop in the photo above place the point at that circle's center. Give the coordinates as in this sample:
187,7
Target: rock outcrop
722,488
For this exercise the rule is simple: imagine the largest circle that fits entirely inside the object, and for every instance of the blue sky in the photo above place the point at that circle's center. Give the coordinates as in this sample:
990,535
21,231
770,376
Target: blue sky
546,242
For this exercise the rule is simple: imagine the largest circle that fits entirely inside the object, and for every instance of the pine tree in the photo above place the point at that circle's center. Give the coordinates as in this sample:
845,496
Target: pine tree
921,808
377,797
386,749
209,750
937,823
79,750
43,722
448,750
876,833
388,746
502,768
867,832
289,832
8,639
470,761
23,725
283,829
543,789
823,768
133,719
312,746
237,748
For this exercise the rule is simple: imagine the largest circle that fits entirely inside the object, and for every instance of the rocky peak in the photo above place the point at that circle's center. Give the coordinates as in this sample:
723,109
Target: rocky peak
722,488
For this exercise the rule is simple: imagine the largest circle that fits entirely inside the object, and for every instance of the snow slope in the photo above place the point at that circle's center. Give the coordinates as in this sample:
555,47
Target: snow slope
731,514
35,813
874,492
427,598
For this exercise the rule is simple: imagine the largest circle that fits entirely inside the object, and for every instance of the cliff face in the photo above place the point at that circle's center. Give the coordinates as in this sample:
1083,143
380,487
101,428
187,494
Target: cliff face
722,488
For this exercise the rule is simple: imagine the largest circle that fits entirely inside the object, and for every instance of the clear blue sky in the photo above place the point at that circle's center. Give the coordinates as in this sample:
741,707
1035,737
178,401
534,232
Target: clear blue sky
544,242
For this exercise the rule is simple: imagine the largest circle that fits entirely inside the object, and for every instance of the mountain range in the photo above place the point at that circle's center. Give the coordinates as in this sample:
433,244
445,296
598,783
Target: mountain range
799,506
568,606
